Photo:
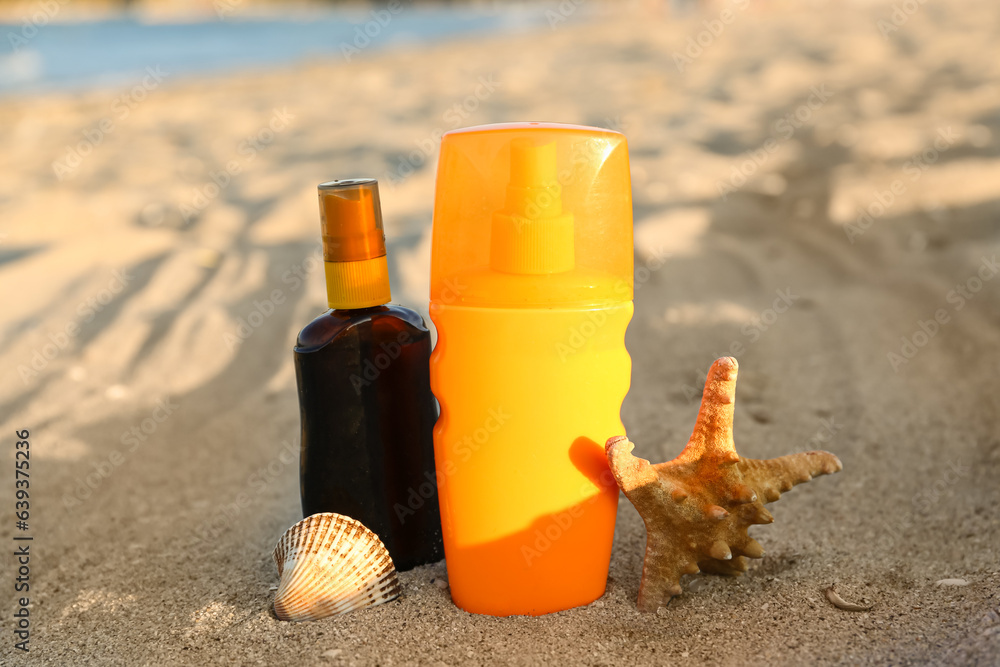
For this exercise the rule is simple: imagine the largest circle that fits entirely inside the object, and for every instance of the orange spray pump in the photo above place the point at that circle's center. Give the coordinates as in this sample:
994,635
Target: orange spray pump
531,293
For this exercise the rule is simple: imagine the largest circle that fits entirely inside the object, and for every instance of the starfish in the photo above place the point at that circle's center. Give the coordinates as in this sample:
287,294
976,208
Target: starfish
697,508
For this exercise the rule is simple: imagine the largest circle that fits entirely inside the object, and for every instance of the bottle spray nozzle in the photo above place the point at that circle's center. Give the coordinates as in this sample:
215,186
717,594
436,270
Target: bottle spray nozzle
531,234
532,215
533,191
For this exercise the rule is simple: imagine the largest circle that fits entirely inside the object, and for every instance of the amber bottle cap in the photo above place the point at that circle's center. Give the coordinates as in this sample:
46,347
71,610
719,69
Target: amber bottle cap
351,215
357,274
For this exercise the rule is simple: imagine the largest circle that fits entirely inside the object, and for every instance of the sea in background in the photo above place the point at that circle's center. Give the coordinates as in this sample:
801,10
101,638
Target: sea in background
87,54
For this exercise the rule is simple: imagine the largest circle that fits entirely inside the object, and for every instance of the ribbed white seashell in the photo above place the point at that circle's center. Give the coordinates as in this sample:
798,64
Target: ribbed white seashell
330,564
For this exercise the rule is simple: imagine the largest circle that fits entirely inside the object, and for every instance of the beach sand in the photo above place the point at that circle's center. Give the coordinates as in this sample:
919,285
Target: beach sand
163,438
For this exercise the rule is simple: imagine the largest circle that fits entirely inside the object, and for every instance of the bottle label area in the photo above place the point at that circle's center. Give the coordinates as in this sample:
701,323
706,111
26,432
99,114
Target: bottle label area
528,399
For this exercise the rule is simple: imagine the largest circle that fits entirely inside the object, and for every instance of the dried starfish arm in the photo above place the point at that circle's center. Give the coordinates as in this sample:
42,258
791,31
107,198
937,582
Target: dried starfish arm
632,473
664,563
665,559
712,437
771,477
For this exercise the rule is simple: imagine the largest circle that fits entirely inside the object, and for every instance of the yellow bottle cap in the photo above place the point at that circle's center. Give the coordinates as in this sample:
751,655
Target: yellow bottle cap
357,272
532,215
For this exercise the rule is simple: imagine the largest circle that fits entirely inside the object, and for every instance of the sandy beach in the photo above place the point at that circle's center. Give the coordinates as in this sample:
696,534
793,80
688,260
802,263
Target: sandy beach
816,190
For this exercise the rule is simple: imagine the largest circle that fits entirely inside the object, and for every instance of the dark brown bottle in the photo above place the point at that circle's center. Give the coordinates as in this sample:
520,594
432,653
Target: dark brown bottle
363,376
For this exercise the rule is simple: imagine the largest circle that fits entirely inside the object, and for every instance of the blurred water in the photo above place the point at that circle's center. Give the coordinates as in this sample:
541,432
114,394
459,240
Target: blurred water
109,52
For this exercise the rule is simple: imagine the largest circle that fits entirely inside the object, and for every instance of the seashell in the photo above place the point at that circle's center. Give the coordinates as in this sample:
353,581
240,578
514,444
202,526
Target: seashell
330,564
697,508
841,603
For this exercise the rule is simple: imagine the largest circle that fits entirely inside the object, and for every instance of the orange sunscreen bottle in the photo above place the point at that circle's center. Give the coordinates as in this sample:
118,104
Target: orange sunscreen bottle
531,293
